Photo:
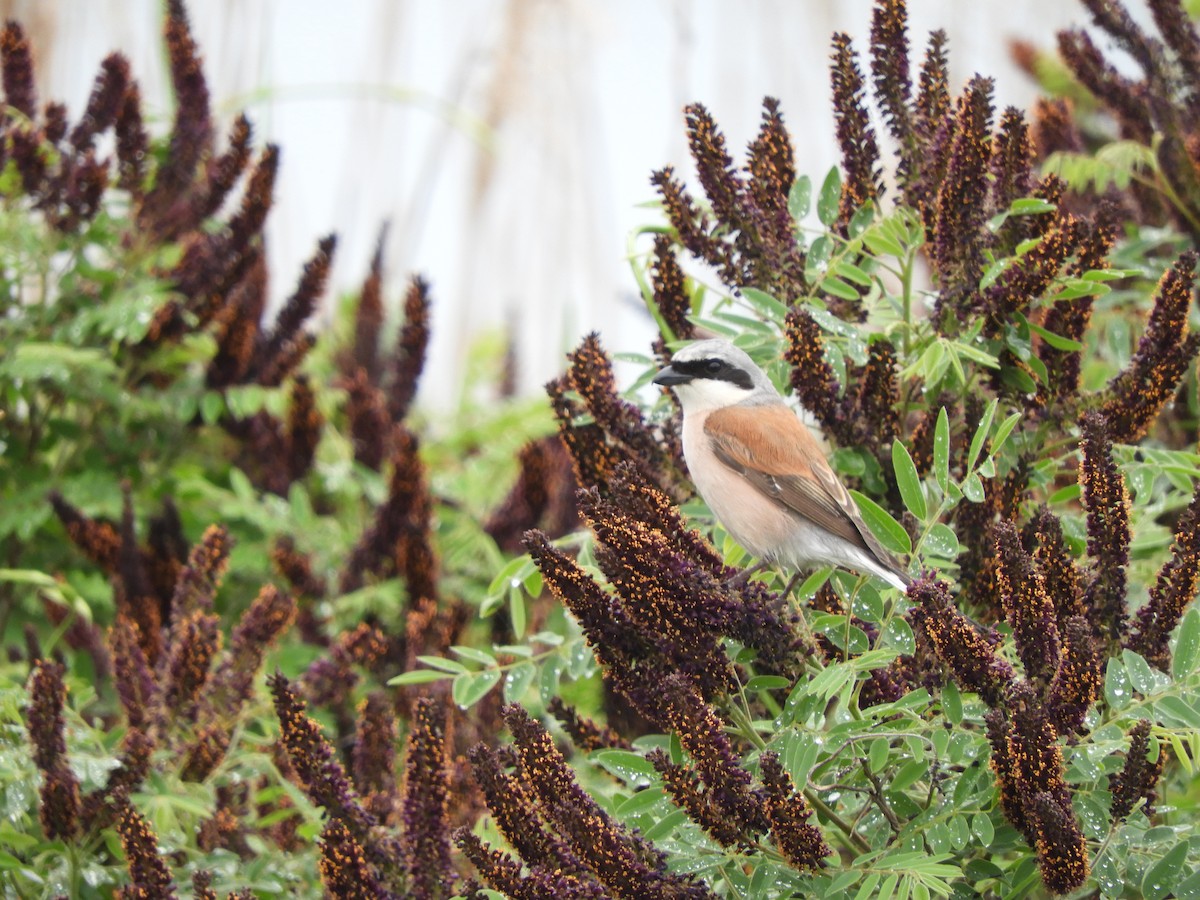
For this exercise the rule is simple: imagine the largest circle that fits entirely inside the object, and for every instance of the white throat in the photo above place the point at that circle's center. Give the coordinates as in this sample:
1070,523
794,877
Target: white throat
704,395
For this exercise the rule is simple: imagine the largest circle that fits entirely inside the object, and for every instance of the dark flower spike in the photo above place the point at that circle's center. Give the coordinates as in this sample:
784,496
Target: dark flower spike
370,422
799,840
148,873
775,258
104,104
330,679
127,777
503,874
202,886
1118,93
1003,766
812,377
374,755
1037,770
1113,17
515,813
591,375
1107,503
409,357
1138,778
1139,392
425,804
1078,679
1020,286
1011,159
1179,31
860,152
961,208
224,171
593,458
136,686
618,857
714,166
684,786
345,872
237,325
694,227
1061,847
702,734
670,296
878,393
99,540
1174,589
195,641
132,142
890,74
970,657
16,64
1070,318
586,734
1027,607
1054,127
304,424
1043,538
315,761
368,318
192,130
298,307
932,107
677,605
205,752
613,637
543,496
199,580
133,591
59,809
296,566
404,518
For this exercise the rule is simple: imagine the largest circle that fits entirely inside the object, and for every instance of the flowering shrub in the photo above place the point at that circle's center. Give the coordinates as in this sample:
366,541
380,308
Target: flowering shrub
573,690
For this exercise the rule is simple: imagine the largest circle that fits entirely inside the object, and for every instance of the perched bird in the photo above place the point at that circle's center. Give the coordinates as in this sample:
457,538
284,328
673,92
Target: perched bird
761,472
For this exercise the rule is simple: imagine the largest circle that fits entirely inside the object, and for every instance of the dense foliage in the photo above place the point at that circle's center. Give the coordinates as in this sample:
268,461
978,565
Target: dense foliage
566,690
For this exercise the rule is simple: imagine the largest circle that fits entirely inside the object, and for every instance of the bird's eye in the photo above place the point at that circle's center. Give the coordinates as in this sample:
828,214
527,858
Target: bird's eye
713,366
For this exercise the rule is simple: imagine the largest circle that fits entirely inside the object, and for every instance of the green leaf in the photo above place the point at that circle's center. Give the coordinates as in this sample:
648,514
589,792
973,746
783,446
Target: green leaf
909,774
419,676
941,541
981,826
941,450
1187,645
452,666
1004,431
768,683
474,655
632,768
1057,341
838,288
517,681
898,635
877,755
952,703
972,488
830,198
800,198
890,532
516,612
765,304
908,481
469,689
1162,877
981,434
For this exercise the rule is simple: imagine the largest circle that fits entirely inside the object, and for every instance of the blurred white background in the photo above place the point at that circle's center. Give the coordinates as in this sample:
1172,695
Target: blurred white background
509,142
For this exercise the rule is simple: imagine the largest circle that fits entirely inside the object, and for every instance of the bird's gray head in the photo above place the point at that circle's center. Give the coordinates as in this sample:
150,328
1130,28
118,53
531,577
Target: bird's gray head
713,374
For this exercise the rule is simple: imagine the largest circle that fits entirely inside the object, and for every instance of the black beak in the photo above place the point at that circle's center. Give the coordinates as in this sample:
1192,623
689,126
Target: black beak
670,376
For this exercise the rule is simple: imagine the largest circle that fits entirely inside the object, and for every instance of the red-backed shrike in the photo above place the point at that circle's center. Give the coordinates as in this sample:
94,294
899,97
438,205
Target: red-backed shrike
761,472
